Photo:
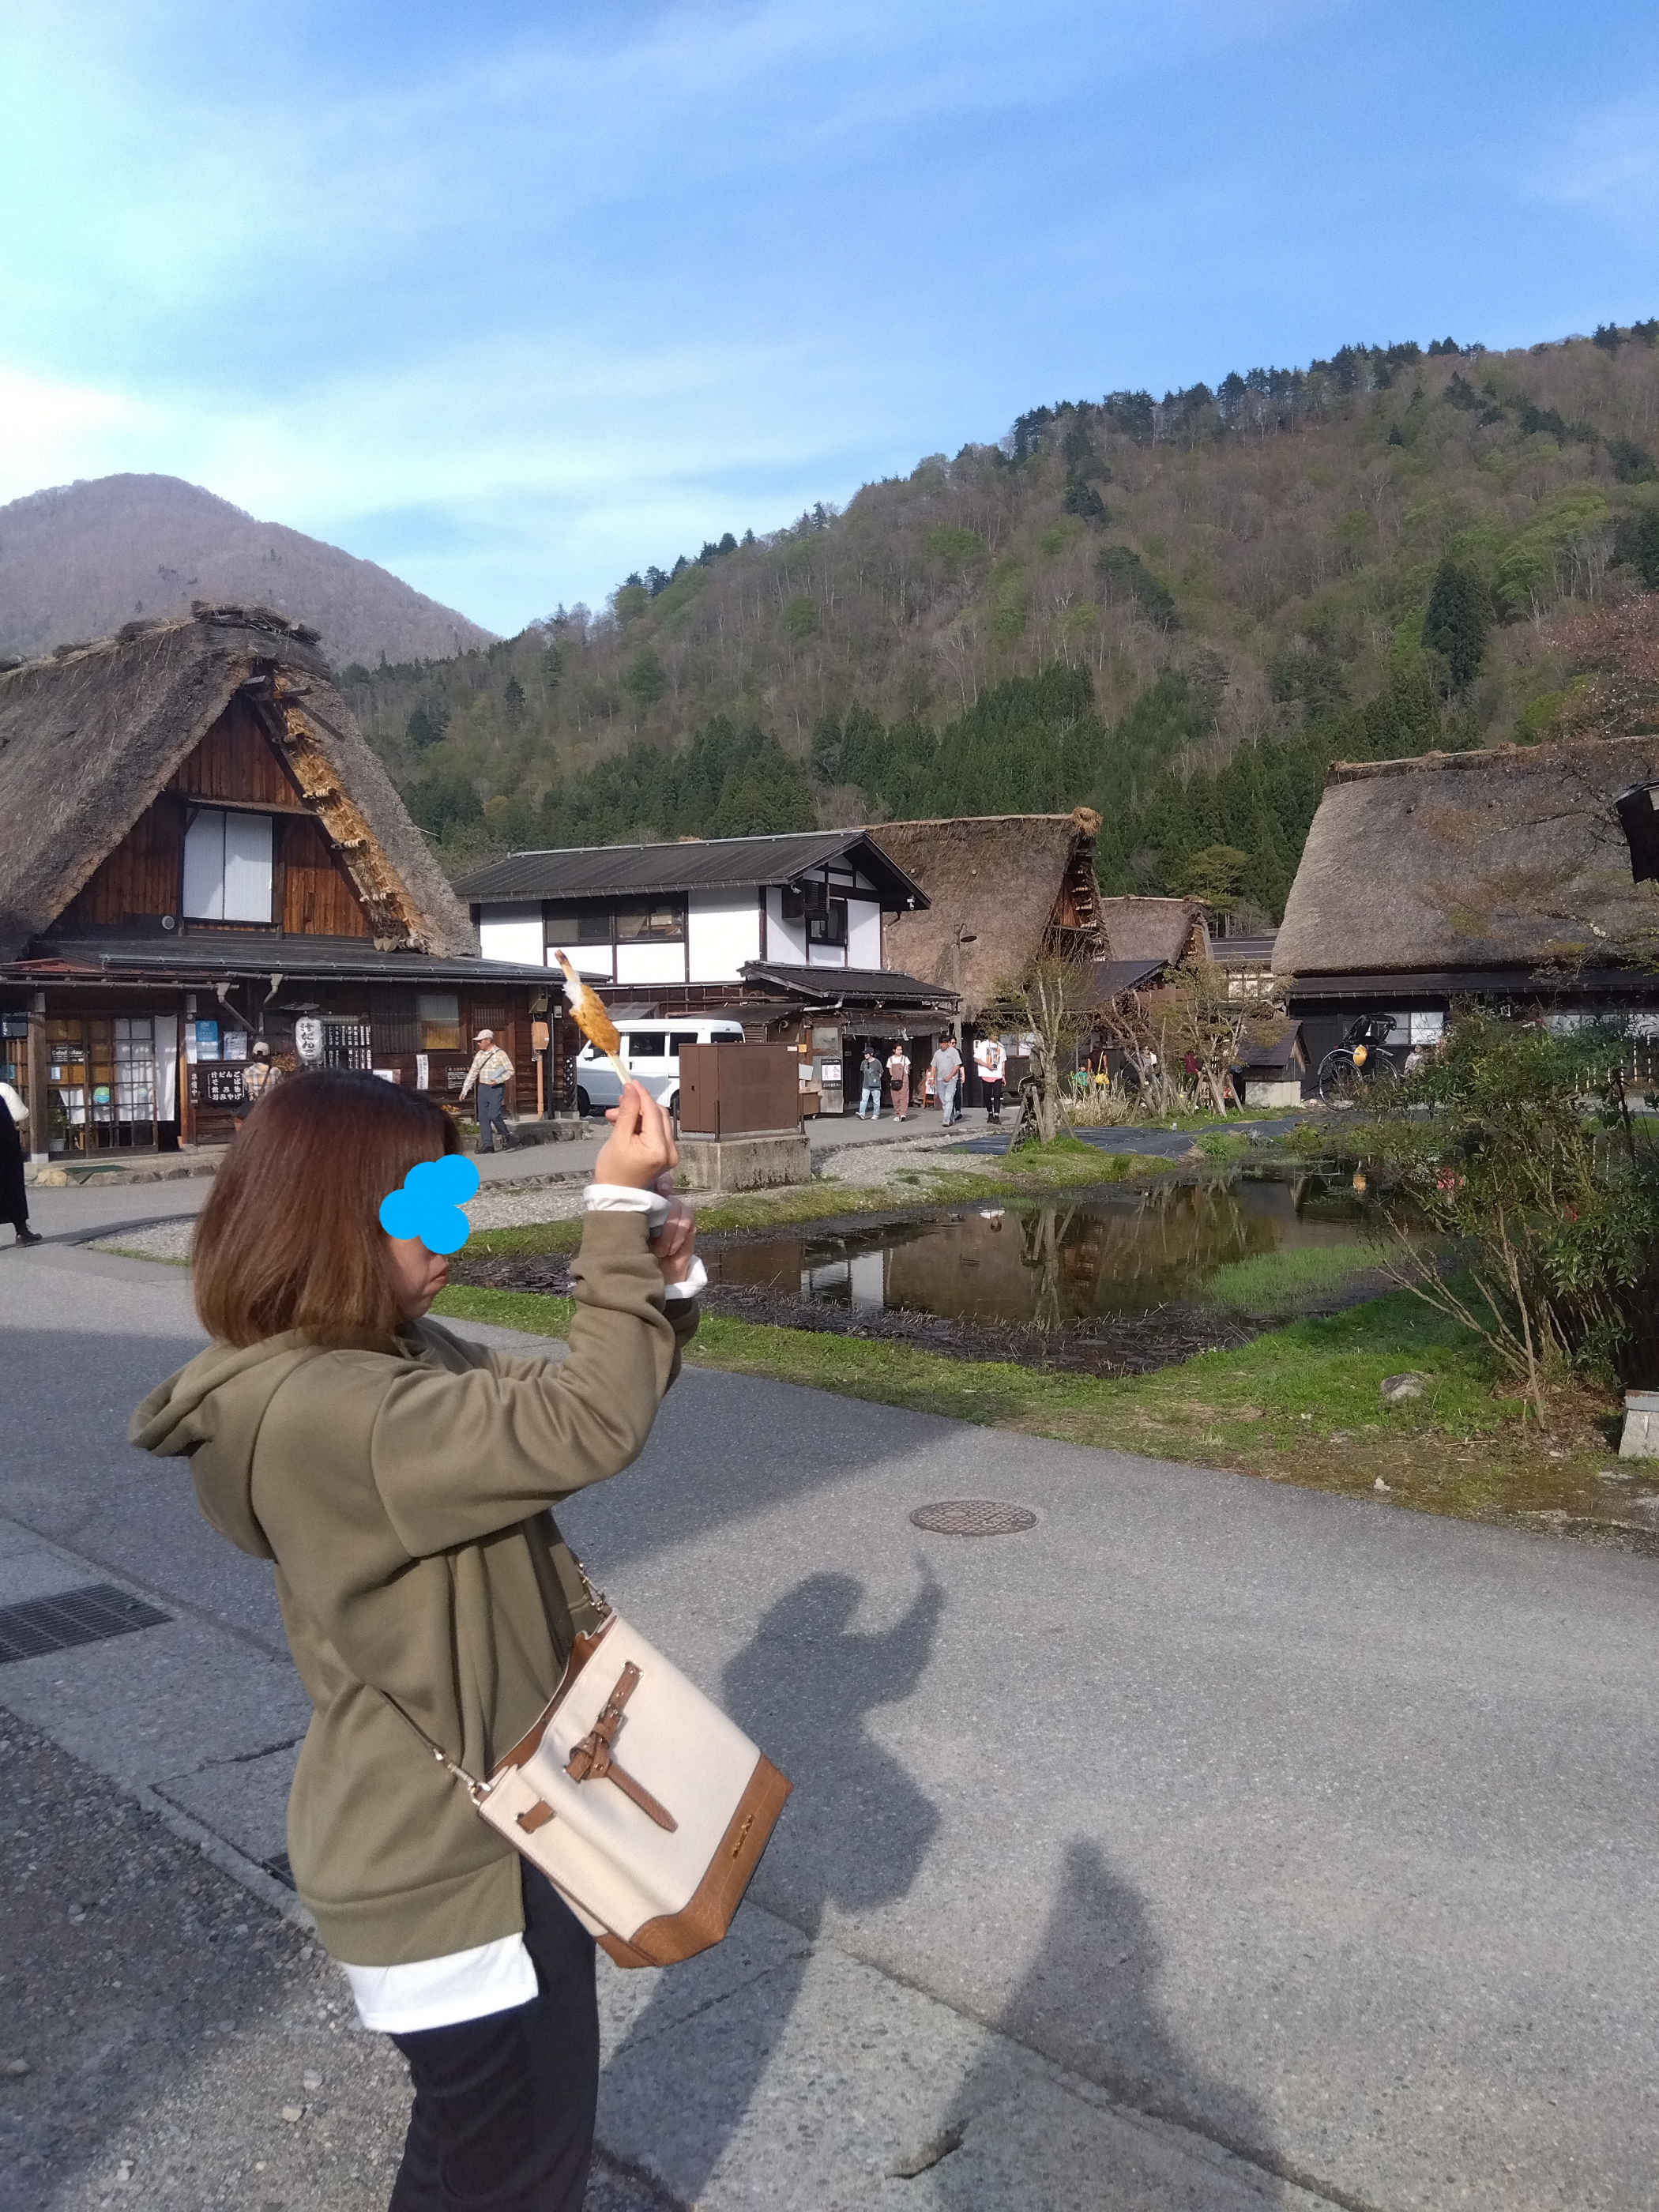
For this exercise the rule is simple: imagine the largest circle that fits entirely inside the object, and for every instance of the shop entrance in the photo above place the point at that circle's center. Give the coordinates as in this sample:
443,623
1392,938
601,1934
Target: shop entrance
101,1082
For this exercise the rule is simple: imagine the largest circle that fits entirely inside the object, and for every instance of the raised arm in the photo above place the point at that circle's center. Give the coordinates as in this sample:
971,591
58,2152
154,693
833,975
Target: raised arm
456,1456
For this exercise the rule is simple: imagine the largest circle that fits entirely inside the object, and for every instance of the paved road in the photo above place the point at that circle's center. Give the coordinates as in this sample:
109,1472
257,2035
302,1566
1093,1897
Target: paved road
1214,1843
98,1205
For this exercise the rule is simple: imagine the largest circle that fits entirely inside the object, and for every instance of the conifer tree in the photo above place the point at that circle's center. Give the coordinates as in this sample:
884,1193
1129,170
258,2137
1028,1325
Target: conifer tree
1457,620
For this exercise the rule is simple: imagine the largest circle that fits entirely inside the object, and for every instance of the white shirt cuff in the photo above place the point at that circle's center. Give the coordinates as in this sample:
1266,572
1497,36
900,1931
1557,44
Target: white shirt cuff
696,1279
623,1198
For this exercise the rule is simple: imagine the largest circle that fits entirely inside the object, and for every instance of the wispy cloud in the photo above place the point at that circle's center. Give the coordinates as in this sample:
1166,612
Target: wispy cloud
56,431
517,299
1606,159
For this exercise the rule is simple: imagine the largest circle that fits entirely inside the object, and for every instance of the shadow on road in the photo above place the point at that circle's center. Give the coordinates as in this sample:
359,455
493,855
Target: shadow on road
853,1836
1099,1938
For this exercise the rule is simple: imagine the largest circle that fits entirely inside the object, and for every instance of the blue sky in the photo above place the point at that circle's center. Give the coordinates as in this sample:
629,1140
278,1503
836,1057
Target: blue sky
516,299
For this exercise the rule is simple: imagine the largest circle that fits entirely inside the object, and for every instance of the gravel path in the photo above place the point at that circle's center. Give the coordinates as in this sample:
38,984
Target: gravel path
164,2038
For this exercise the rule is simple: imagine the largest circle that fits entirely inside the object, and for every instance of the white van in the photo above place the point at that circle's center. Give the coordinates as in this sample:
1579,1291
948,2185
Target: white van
650,1053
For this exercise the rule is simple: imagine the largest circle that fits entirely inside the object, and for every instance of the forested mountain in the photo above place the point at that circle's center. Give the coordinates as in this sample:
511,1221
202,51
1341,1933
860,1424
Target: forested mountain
1176,610
77,562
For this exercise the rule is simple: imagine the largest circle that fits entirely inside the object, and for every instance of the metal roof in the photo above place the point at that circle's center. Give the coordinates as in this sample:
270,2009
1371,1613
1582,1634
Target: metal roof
1111,976
1243,951
864,986
1405,987
130,960
1270,1053
699,864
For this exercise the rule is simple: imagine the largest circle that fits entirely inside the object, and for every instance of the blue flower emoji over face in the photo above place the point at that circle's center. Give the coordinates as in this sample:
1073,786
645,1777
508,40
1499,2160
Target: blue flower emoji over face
428,1206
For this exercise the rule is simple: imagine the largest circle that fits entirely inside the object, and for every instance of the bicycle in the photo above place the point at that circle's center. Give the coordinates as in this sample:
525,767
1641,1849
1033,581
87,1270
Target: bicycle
1358,1068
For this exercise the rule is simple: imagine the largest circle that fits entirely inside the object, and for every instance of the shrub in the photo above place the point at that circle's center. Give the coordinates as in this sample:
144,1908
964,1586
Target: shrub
1523,1153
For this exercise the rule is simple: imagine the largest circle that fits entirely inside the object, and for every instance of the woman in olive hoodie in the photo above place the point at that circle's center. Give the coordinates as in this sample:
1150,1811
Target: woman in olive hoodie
401,1480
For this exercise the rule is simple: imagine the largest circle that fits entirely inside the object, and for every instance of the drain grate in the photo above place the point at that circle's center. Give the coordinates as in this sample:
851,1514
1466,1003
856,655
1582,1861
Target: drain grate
77,1616
974,1517
280,1866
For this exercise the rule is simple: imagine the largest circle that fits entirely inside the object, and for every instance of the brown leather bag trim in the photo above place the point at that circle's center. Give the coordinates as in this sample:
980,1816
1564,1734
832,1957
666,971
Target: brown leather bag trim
580,1652
621,1954
676,1936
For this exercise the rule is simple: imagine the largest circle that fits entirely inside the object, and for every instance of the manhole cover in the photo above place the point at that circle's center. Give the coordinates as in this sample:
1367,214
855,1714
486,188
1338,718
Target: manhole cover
973,1517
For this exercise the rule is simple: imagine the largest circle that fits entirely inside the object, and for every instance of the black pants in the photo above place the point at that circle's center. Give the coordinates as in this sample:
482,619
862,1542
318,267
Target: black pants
992,1093
14,1196
504,2106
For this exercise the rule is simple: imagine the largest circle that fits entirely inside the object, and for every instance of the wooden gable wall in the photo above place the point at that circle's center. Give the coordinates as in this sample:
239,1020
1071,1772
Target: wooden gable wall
1077,904
235,765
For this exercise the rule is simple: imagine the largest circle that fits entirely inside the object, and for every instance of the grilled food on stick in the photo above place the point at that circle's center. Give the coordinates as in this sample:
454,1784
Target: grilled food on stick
588,1011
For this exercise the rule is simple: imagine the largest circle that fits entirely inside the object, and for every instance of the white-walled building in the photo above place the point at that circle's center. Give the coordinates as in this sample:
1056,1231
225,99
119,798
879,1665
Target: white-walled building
785,931
692,916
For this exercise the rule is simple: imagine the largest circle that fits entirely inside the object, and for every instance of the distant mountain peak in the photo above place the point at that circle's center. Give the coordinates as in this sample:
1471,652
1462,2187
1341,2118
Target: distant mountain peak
78,560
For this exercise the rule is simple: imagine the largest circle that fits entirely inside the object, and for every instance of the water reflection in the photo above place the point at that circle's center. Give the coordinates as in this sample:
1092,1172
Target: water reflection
1110,1255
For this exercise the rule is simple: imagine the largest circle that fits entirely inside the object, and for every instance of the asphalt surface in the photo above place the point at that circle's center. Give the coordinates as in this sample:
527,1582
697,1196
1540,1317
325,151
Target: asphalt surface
169,2040
1315,1834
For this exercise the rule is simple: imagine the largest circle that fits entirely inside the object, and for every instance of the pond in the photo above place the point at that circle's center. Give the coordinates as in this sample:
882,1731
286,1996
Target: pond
1257,1247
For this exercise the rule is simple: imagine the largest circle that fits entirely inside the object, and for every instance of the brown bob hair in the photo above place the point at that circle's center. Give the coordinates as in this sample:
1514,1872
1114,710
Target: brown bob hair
290,1236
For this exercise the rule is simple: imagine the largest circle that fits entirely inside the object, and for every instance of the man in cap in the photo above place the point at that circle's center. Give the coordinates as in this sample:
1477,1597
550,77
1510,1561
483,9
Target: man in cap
258,1077
492,1071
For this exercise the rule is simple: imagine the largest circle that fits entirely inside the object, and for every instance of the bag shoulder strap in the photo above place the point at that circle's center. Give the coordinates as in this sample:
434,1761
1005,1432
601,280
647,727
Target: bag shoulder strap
474,1788
589,1610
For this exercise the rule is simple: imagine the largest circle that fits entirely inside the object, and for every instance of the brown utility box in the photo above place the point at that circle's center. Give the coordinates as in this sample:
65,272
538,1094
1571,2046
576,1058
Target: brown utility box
738,1090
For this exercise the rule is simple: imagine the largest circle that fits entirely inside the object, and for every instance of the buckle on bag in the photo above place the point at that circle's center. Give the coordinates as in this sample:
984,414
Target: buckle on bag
591,1760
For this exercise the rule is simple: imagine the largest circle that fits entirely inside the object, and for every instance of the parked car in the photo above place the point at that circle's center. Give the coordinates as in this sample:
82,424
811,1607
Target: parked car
650,1053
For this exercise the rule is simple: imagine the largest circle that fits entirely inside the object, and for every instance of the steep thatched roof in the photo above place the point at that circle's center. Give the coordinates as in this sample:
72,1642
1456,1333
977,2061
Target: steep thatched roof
1158,929
90,736
1456,861
1013,882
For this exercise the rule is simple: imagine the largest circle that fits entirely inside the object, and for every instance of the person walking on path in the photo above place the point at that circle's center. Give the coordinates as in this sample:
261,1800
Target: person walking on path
947,1079
14,1191
258,1077
869,1082
401,1482
898,1079
991,1060
492,1071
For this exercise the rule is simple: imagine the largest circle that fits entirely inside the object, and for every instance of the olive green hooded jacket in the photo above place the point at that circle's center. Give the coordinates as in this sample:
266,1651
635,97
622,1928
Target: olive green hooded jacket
403,1491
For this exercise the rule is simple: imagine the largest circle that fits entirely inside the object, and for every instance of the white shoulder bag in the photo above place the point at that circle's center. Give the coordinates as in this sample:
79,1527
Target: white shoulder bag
645,1807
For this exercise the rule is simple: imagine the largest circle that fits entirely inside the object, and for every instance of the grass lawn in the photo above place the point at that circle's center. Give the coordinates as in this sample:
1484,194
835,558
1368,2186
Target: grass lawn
1272,1285
1300,1404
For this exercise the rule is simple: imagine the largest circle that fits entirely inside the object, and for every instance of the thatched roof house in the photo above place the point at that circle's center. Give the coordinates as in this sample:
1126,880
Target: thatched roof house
1502,874
91,736
1496,869
1161,931
1003,888
197,849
